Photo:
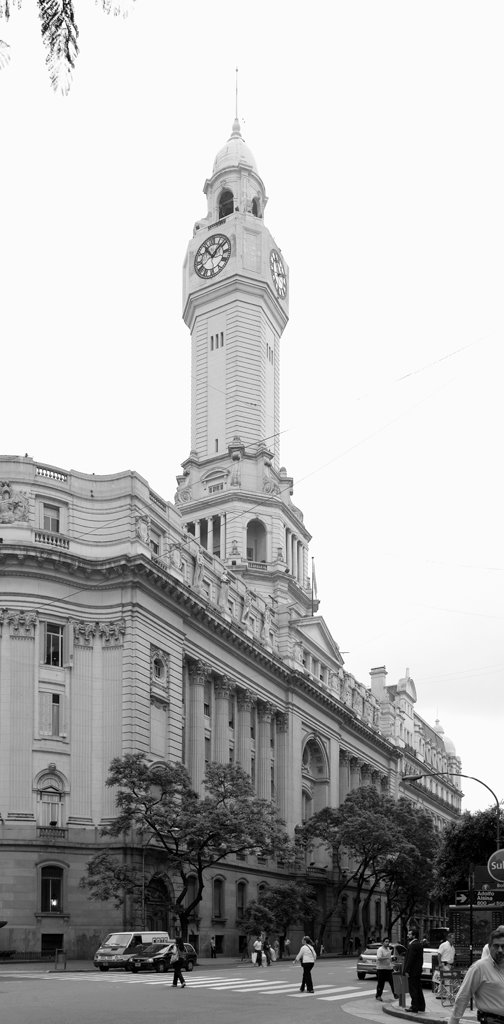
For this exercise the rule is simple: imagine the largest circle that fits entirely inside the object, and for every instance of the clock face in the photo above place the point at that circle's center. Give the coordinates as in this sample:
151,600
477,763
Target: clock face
278,274
212,256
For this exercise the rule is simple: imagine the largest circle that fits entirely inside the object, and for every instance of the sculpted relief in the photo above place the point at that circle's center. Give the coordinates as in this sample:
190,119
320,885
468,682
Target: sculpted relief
14,505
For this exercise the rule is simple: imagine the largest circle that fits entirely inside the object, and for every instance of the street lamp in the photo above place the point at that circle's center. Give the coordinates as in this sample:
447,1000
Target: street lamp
459,775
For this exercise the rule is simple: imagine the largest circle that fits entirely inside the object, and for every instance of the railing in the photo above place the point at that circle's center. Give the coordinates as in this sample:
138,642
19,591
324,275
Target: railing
51,474
51,832
54,540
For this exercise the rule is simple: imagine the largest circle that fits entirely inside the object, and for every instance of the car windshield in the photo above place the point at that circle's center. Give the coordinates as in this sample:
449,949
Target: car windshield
117,939
151,948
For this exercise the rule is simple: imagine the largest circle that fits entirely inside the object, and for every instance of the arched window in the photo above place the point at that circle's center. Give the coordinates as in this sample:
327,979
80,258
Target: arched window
226,203
256,541
50,800
51,890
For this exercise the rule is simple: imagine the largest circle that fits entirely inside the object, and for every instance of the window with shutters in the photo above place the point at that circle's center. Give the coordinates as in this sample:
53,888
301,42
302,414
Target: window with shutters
51,713
50,800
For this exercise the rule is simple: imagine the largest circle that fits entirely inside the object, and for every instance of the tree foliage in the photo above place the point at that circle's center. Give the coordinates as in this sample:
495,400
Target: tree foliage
466,843
277,907
374,841
156,804
59,35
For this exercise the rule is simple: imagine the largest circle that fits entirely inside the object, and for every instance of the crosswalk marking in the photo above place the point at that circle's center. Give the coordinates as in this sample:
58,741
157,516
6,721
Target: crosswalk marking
230,983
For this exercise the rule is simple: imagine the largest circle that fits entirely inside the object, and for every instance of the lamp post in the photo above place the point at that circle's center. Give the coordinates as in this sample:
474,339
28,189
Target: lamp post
458,775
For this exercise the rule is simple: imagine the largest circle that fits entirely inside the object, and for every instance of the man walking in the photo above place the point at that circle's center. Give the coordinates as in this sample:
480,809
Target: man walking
484,982
413,963
384,968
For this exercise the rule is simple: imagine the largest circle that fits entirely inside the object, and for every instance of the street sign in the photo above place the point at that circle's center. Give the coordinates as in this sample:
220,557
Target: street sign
488,897
496,865
462,897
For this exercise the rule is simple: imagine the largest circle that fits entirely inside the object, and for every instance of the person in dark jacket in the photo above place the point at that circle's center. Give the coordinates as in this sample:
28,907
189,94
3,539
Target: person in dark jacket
413,963
178,961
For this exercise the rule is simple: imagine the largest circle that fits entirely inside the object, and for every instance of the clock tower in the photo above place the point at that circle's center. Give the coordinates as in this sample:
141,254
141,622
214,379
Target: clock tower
233,495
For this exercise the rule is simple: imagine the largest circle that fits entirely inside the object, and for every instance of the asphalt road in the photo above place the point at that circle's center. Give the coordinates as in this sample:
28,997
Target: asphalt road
224,996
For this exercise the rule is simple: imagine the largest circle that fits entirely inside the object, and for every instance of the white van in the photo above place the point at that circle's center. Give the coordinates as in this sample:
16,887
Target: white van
117,948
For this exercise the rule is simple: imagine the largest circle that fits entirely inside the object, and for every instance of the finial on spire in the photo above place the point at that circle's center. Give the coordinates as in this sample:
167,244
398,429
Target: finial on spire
235,131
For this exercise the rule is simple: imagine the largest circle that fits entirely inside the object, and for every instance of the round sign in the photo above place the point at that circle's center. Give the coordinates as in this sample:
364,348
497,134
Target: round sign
495,866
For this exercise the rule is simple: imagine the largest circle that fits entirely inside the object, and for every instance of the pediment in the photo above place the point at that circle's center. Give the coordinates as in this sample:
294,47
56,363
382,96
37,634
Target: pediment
314,633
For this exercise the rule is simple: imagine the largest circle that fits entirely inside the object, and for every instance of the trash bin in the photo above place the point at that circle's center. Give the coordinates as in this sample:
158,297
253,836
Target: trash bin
401,987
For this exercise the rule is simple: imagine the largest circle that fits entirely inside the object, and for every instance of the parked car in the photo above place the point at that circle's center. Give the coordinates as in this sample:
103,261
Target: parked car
366,962
427,972
158,958
118,947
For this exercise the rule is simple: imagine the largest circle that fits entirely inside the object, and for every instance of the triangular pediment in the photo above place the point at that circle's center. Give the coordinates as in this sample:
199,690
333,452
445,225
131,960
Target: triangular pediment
314,633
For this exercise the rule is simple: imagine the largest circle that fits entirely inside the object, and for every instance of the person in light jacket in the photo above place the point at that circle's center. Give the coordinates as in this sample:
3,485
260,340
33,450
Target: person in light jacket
306,957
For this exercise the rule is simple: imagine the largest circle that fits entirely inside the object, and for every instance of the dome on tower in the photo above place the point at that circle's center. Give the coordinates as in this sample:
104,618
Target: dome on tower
448,743
234,153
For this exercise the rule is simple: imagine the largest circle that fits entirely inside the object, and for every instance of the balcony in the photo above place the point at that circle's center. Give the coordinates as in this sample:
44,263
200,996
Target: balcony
51,832
53,540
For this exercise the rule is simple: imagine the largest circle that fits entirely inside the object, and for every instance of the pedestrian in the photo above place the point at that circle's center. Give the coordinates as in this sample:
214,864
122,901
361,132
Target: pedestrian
484,982
267,950
177,960
306,957
446,954
412,969
486,947
286,947
257,948
276,948
213,951
384,969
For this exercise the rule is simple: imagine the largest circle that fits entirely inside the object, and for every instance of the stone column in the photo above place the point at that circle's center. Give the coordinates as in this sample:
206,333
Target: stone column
210,534
344,775
198,674
355,776
263,751
222,690
282,765
245,703
197,530
223,551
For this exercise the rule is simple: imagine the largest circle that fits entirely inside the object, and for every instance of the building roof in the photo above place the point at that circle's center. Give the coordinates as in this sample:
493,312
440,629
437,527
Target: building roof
235,152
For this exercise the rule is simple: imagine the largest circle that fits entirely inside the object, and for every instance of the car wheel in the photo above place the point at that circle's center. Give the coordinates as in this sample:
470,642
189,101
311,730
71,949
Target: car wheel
103,967
190,966
361,976
134,970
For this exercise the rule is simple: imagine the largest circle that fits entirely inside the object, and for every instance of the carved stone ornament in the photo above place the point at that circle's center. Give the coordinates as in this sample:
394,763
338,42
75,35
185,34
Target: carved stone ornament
159,666
142,528
21,624
175,555
183,495
14,505
112,632
84,633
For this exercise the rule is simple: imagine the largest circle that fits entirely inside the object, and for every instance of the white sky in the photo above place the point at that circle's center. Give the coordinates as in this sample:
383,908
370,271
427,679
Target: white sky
377,129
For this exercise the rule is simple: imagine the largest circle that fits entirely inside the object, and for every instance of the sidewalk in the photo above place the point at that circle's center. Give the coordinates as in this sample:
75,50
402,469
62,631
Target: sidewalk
47,966
434,1011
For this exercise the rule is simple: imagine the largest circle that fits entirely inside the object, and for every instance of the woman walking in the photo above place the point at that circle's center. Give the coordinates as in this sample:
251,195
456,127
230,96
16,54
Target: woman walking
306,957
177,959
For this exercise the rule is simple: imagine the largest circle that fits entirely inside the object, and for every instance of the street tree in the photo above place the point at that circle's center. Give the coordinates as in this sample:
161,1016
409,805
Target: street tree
369,838
468,842
157,805
280,906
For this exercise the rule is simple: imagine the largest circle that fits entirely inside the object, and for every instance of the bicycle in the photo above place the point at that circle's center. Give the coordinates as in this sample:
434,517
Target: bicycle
448,986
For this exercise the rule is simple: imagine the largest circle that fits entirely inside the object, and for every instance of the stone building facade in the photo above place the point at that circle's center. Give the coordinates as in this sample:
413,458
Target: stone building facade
186,630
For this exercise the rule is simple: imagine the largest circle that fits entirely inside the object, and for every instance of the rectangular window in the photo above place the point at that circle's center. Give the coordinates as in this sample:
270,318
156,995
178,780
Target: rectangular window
51,891
155,543
50,713
50,809
53,644
51,518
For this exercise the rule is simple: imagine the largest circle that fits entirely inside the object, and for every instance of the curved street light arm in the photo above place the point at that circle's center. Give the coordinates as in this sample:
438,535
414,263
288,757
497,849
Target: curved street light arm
459,775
